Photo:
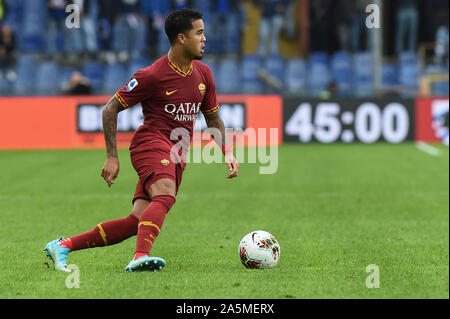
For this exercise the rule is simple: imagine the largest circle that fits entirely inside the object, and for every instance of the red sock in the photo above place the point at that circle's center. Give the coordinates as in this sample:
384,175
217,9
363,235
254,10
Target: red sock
107,233
66,242
151,222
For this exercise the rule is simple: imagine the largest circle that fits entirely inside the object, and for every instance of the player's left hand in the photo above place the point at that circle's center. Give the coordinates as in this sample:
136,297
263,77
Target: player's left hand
232,164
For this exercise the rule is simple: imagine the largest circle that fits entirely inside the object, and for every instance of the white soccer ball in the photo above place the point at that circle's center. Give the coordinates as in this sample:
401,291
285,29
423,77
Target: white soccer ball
259,249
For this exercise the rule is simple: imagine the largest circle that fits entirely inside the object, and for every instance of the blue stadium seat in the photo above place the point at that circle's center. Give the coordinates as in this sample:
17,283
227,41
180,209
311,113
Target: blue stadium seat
116,75
435,69
363,74
409,72
31,43
389,76
227,77
274,65
94,70
203,6
148,8
163,42
137,63
342,72
31,37
440,89
141,43
437,88
161,6
211,63
250,66
15,14
319,57
5,87
296,77
319,73
26,75
233,35
47,79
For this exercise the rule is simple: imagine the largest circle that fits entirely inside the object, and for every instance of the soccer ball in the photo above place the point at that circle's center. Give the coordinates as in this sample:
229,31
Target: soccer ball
259,249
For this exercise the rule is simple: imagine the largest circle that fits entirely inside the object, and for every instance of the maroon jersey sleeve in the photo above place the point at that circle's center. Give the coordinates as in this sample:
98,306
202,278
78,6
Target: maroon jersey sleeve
210,104
138,89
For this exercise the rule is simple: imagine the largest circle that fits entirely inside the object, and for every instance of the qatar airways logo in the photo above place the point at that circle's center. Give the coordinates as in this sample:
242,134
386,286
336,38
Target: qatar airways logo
185,112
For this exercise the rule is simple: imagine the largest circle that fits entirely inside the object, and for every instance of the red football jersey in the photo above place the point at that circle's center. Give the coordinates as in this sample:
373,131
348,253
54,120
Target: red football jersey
170,98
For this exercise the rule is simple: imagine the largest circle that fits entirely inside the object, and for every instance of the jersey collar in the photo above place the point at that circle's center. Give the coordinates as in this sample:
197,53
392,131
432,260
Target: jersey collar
179,71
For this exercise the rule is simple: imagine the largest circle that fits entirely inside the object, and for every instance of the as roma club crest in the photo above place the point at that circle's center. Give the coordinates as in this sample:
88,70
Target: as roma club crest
165,162
202,88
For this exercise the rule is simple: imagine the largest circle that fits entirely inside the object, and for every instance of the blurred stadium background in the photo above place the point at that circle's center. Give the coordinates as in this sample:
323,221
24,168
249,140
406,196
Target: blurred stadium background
310,69
319,48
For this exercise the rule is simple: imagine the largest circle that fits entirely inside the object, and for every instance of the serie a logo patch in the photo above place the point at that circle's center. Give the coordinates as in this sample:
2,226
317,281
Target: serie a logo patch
132,84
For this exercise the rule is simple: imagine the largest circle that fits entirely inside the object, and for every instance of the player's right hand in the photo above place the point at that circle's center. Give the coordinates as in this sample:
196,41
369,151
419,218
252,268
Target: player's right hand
110,170
232,164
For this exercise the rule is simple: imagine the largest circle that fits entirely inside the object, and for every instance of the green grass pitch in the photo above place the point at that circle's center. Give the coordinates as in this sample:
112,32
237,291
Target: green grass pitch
335,209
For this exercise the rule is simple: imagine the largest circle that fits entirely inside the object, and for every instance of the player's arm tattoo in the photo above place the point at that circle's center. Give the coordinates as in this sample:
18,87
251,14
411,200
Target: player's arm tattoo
213,120
109,120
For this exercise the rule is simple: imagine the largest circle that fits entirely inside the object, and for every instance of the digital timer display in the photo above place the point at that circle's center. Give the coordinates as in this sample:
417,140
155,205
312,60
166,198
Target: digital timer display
348,121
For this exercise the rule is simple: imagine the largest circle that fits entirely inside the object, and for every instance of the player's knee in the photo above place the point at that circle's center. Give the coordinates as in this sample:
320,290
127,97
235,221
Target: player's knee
166,200
163,186
139,206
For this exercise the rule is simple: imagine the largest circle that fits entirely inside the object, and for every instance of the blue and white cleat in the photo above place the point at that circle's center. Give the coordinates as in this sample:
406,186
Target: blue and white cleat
58,254
146,263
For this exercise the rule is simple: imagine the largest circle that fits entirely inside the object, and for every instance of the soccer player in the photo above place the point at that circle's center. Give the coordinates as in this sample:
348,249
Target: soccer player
172,91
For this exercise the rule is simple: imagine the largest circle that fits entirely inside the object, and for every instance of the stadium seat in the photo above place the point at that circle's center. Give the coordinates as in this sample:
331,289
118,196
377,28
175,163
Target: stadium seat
389,76
227,77
47,79
435,69
31,37
203,6
250,66
274,65
31,43
163,42
211,63
409,73
341,72
363,74
319,73
295,77
26,75
141,42
137,63
440,89
94,70
5,87
15,14
116,76
149,8
232,40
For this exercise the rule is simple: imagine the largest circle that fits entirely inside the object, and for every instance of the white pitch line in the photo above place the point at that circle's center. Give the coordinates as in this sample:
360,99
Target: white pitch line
433,151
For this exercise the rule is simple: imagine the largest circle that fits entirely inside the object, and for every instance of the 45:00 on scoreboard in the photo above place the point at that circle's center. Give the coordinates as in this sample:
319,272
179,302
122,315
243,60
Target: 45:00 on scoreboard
347,121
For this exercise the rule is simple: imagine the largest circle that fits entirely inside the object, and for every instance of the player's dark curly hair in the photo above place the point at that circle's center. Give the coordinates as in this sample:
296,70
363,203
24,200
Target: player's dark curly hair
180,21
